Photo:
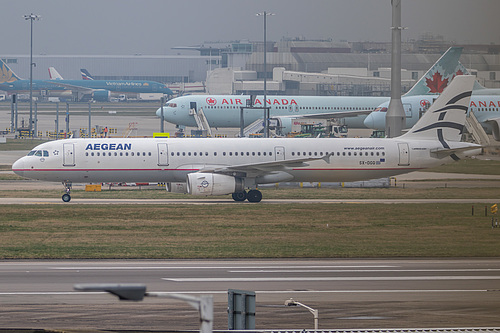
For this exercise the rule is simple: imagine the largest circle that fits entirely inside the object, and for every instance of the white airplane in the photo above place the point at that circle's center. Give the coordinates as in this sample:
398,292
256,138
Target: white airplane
486,108
218,166
224,110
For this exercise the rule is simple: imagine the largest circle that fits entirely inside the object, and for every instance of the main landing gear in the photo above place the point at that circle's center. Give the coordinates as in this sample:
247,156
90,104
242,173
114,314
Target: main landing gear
251,196
66,197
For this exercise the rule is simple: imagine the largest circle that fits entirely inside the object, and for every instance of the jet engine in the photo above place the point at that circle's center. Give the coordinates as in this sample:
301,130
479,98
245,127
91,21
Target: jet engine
213,184
494,125
284,125
176,188
101,95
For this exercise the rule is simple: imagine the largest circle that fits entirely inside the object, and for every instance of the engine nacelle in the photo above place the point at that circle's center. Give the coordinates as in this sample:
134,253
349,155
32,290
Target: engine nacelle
284,125
101,95
494,125
213,184
177,188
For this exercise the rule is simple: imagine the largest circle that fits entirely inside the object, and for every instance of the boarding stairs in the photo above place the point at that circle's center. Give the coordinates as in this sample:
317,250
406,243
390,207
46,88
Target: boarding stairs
201,121
255,127
476,130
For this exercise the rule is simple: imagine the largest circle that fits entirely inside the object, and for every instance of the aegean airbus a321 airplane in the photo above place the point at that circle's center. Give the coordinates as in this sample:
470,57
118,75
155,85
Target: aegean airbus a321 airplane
218,166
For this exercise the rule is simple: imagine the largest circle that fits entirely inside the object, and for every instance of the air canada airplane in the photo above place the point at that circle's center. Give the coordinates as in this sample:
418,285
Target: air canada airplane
486,108
218,166
224,110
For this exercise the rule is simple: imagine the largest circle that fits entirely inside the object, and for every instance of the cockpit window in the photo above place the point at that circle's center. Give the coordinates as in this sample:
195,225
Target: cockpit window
171,105
380,110
44,153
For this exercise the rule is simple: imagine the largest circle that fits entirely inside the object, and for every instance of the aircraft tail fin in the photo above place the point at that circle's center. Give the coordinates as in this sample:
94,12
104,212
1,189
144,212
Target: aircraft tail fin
85,74
440,74
54,74
445,119
6,74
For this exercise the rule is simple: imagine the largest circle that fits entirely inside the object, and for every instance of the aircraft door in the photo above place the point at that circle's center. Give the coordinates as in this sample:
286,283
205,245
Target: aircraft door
407,108
68,154
162,154
192,106
404,154
279,153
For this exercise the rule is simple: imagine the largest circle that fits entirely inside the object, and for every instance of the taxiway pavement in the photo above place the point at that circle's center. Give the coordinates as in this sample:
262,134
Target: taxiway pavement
363,293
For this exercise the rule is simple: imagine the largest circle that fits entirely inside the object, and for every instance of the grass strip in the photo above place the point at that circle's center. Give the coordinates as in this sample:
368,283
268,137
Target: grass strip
245,231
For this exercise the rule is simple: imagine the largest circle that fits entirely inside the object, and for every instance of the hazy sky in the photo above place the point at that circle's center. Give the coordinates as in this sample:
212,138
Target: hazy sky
122,27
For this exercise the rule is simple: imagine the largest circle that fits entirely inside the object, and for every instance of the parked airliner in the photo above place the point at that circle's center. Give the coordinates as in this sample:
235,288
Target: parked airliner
224,110
98,90
486,108
217,166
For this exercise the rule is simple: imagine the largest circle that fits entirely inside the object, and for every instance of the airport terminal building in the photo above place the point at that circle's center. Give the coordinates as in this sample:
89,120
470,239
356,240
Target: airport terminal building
293,66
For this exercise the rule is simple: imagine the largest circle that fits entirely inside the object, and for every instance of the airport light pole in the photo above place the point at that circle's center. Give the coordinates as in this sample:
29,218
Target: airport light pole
315,313
137,292
266,111
32,17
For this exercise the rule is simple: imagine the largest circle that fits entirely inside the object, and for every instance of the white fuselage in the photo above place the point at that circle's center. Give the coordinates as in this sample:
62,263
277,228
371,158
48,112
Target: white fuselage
484,107
224,110
170,160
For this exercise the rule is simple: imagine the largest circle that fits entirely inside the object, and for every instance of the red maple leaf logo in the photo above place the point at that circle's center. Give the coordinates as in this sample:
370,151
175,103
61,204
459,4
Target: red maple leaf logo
211,101
437,83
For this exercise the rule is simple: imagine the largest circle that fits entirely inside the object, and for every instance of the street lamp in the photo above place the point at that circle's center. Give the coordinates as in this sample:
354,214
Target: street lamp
291,302
137,292
32,17
266,111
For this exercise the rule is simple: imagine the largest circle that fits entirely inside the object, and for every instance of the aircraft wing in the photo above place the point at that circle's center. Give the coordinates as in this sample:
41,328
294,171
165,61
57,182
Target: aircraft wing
329,115
261,168
74,87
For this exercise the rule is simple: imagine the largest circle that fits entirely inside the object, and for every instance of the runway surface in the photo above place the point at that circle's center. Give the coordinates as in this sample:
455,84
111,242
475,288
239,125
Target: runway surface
348,293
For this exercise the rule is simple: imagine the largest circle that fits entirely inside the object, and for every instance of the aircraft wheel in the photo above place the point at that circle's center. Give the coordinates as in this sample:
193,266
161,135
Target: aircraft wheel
239,196
66,197
254,196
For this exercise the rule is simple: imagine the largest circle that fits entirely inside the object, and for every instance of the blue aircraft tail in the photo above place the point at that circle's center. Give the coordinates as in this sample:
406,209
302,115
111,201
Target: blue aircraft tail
85,74
6,74
440,74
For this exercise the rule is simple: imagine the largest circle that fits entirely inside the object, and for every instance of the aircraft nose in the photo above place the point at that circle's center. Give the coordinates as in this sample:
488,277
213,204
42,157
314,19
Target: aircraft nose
18,167
369,121
158,112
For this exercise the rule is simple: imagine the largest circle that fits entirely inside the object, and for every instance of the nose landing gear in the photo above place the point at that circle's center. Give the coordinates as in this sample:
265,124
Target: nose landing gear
66,197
